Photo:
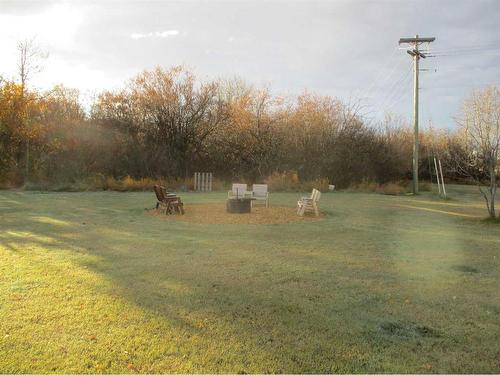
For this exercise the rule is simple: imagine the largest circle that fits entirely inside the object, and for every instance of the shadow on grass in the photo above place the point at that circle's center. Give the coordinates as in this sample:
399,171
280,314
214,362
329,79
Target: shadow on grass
216,298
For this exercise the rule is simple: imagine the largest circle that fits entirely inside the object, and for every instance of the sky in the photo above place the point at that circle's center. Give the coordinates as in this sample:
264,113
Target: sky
345,49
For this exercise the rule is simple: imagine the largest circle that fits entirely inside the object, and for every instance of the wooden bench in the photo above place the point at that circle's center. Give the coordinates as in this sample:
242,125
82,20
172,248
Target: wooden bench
169,202
309,204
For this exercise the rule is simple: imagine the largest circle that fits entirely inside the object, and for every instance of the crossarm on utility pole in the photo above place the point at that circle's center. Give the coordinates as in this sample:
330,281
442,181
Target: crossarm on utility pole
416,40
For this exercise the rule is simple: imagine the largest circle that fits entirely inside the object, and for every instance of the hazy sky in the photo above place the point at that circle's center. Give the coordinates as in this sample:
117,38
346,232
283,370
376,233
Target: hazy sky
346,49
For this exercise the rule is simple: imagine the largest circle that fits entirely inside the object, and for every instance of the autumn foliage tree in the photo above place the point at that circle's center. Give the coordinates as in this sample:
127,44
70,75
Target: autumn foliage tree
12,114
169,113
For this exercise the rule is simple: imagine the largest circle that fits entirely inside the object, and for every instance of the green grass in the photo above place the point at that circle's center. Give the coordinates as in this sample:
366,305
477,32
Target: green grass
89,283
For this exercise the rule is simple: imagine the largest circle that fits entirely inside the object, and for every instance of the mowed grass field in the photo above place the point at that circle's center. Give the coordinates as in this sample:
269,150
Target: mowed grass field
90,283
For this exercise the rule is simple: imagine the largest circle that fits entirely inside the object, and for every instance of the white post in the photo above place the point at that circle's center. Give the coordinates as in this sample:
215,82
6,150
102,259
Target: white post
442,178
437,175
203,181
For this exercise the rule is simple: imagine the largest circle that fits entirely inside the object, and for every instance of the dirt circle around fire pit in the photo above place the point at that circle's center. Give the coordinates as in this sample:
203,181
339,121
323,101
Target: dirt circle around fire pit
215,213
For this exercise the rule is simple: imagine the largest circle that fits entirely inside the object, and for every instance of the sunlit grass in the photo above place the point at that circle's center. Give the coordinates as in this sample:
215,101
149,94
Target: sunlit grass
438,211
90,283
49,220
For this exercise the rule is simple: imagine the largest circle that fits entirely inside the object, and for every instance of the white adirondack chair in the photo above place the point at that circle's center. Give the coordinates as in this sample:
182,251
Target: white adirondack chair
260,193
309,204
238,191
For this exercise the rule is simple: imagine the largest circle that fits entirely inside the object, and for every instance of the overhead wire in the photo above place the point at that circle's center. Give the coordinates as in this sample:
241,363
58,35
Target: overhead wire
381,78
380,72
395,88
401,94
462,50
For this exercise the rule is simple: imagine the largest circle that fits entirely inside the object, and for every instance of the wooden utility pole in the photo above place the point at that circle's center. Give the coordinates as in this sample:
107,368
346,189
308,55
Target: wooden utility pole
416,54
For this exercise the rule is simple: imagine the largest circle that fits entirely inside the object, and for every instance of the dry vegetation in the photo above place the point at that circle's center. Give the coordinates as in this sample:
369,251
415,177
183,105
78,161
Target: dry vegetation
215,213
390,188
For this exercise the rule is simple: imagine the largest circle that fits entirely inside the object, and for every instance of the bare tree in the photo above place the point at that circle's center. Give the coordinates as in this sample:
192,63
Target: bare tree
30,57
479,143
29,63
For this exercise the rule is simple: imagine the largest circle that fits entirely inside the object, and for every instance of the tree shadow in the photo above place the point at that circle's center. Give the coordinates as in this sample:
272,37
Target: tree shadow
264,298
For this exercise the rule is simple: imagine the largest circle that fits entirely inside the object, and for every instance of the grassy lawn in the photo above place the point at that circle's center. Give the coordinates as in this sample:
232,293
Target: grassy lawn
89,283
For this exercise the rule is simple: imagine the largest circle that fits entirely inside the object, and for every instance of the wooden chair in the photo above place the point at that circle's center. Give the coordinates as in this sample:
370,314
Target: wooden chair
260,193
309,204
174,202
238,191
169,202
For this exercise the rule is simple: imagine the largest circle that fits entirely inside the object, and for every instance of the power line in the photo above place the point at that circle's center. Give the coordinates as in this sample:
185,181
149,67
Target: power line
463,50
402,94
380,73
390,92
395,87
448,50
462,47
487,46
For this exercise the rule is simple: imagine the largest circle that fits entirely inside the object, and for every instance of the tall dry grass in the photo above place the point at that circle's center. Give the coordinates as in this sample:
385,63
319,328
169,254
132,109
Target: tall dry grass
390,188
290,181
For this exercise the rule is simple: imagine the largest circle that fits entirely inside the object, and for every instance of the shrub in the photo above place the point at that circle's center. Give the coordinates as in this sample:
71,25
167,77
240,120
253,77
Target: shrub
128,183
33,186
43,185
390,188
283,181
289,181
365,186
219,185
320,183
425,186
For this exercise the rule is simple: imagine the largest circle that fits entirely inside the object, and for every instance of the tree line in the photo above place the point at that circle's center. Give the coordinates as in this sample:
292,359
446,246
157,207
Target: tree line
166,123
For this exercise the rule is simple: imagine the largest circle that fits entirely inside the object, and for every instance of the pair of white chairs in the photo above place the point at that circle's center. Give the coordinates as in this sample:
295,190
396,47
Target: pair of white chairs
259,193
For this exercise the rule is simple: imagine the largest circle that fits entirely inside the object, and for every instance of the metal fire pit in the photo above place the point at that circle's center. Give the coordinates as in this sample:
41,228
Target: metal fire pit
239,205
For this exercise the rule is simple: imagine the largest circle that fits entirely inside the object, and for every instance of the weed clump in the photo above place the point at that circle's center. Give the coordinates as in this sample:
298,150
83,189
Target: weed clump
408,329
465,268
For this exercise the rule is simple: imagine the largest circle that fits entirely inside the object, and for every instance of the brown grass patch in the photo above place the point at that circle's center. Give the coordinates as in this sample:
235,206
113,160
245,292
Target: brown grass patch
215,213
